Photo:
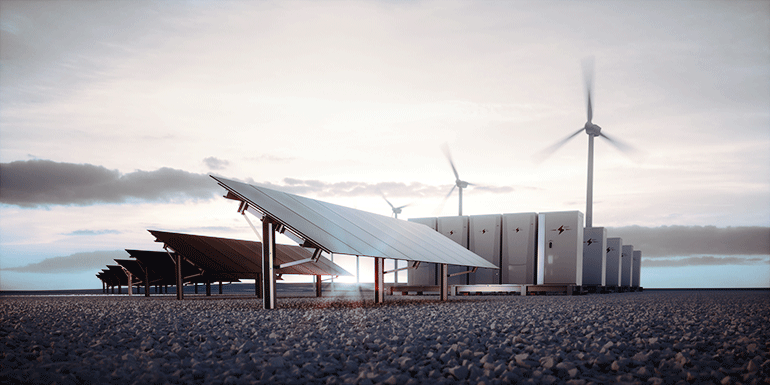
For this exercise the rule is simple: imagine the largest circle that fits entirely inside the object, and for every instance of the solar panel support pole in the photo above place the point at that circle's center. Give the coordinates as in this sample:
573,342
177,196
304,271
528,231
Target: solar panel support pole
179,288
258,285
268,261
379,278
130,283
444,284
146,282
208,288
220,287
318,286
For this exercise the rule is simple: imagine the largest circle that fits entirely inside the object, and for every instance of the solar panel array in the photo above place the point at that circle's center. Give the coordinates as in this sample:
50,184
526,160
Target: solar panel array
343,230
240,259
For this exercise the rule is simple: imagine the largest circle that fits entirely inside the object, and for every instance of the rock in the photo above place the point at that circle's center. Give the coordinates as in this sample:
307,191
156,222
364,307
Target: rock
459,372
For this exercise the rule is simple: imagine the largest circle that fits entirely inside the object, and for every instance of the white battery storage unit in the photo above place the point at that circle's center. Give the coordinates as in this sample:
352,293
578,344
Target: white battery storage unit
426,274
456,229
637,268
594,256
626,265
518,260
560,248
614,249
484,240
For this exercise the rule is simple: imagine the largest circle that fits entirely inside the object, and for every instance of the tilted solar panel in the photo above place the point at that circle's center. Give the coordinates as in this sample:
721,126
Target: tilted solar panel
343,230
242,259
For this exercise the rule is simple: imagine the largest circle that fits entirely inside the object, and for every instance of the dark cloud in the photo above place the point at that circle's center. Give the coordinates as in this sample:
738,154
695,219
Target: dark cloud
78,262
93,232
685,241
43,182
215,164
36,182
706,261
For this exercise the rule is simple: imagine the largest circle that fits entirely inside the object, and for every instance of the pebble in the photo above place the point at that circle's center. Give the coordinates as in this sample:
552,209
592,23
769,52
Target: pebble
652,337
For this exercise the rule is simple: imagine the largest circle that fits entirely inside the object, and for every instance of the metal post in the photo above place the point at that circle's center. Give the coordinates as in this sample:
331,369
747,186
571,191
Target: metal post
258,285
130,283
146,282
268,261
220,287
590,188
196,287
208,288
318,286
444,281
379,287
395,267
358,270
179,288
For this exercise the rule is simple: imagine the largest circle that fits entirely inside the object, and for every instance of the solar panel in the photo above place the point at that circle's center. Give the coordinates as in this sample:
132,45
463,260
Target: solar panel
242,259
343,230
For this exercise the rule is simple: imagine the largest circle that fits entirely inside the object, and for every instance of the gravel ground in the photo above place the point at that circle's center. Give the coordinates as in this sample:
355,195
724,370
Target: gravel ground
650,337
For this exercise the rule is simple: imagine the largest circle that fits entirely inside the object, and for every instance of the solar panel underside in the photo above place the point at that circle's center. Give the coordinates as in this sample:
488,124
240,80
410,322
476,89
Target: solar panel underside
243,259
163,271
343,230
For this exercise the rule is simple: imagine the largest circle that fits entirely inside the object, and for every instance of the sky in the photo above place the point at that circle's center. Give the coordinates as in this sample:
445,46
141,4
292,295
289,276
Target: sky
114,114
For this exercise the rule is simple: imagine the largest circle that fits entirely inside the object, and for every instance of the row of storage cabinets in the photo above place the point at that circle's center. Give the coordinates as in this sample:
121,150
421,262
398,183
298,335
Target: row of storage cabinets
534,248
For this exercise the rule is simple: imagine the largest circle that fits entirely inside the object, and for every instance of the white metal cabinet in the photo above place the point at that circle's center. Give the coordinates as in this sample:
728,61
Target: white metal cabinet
594,256
518,260
560,248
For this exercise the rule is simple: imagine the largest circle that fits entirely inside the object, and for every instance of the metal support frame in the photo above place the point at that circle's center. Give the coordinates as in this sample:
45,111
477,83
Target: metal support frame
318,286
130,282
379,286
444,282
463,272
208,288
179,283
220,287
258,285
268,261
294,263
146,282
178,273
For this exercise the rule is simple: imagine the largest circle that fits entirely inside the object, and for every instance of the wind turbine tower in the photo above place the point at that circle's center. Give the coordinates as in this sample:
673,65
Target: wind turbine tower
592,130
459,184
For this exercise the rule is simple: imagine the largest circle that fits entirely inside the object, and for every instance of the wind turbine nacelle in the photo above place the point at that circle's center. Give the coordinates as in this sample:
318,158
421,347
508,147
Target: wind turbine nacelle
461,183
592,129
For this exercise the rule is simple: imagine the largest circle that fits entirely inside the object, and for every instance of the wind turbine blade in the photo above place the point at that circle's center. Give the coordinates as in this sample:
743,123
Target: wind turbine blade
401,207
545,153
628,149
588,76
443,201
386,200
450,192
445,148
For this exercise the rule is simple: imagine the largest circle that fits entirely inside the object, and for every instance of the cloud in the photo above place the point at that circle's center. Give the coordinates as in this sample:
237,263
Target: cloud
93,232
35,183
215,164
78,262
705,261
685,241
391,189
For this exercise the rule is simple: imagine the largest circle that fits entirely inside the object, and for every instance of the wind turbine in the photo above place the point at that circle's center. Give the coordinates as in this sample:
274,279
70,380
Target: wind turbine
592,130
396,210
460,184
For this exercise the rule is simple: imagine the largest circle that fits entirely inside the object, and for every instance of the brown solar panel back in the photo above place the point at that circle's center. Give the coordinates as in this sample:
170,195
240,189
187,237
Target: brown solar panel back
240,258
